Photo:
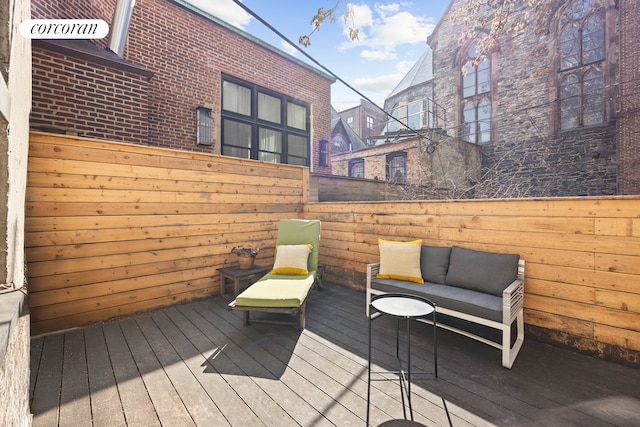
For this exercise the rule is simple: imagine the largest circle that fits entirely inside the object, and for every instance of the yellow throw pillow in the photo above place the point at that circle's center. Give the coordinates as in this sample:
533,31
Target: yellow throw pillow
292,259
400,260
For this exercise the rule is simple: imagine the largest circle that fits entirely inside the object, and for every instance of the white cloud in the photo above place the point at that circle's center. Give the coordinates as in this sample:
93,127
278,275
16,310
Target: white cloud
288,48
384,29
385,9
377,55
361,16
381,84
404,66
401,28
226,10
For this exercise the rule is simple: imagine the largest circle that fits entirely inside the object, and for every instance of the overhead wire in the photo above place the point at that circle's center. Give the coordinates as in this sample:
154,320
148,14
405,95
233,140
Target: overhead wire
445,132
327,70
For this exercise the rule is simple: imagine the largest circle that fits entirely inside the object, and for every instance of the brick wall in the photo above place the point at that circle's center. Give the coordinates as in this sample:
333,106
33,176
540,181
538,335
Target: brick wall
526,146
187,54
629,122
450,171
360,114
78,96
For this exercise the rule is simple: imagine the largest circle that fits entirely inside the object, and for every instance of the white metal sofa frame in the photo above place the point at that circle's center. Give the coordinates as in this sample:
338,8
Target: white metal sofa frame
512,310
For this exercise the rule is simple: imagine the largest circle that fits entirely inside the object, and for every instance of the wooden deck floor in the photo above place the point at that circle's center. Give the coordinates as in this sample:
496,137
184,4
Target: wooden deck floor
195,364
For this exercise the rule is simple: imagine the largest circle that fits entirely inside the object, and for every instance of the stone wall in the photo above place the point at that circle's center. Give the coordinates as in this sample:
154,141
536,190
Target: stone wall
526,143
14,368
442,167
15,102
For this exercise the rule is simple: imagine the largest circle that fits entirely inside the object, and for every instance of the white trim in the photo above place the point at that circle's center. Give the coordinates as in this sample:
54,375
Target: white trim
5,100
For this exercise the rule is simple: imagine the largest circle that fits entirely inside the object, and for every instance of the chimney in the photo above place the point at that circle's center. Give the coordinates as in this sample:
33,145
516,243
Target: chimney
120,26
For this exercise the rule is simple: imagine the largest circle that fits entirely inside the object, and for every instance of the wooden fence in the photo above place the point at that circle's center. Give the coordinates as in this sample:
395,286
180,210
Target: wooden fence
114,229
582,285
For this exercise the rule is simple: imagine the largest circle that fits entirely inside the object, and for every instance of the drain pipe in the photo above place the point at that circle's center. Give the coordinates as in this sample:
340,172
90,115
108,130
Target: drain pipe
120,26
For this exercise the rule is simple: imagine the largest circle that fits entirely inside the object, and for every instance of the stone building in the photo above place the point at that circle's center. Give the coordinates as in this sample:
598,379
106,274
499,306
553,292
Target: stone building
436,168
543,106
184,80
553,110
411,101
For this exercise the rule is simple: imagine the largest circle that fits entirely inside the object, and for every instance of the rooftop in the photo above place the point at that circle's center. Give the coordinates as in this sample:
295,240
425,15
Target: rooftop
194,364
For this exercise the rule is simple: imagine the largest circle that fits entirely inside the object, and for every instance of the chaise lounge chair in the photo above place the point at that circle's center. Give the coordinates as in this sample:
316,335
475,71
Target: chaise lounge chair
284,290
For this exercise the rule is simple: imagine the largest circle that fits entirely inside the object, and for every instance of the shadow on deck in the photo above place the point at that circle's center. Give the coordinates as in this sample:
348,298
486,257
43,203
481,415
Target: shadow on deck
194,364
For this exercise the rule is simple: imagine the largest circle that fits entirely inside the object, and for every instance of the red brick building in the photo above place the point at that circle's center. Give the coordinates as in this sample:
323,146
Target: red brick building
629,116
178,68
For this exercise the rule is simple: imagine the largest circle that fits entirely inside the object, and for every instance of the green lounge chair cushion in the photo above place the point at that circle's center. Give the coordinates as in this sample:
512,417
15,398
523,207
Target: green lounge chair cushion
277,291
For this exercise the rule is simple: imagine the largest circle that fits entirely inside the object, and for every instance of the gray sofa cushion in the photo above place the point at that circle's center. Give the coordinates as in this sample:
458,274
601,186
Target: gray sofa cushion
482,271
434,263
467,301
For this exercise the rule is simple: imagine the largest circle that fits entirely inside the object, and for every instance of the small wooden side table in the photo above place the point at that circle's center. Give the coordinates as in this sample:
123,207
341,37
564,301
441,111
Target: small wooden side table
238,276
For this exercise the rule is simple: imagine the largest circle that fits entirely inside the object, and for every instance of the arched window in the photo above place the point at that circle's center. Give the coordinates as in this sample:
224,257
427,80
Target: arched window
582,61
476,97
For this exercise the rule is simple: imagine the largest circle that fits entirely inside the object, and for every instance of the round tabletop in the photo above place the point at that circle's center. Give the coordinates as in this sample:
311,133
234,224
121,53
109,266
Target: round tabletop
402,306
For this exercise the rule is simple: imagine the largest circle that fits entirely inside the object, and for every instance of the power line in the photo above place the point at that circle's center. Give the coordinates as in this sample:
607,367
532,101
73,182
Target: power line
500,117
327,70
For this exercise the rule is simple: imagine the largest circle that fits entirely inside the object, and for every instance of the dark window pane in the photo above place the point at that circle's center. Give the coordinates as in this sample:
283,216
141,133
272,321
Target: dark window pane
469,118
299,161
472,52
469,81
269,140
298,146
324,153
569,103
269,108
593,98
237,134
569,47
236,152
397,168
269,157
414,115
236,98
356,168
296,116
579,9
593,40
484,122
484,76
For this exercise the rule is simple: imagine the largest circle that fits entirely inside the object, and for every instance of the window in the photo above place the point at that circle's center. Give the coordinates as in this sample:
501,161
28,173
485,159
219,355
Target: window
260,124
415,114
324,153
582,62
397,168
350,121
370,122
476,98
356,168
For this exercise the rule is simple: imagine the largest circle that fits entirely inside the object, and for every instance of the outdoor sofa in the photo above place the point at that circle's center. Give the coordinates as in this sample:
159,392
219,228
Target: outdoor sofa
481,287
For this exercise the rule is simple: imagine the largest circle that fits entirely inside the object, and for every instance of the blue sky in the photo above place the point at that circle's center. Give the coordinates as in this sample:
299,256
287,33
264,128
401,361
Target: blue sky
392,37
